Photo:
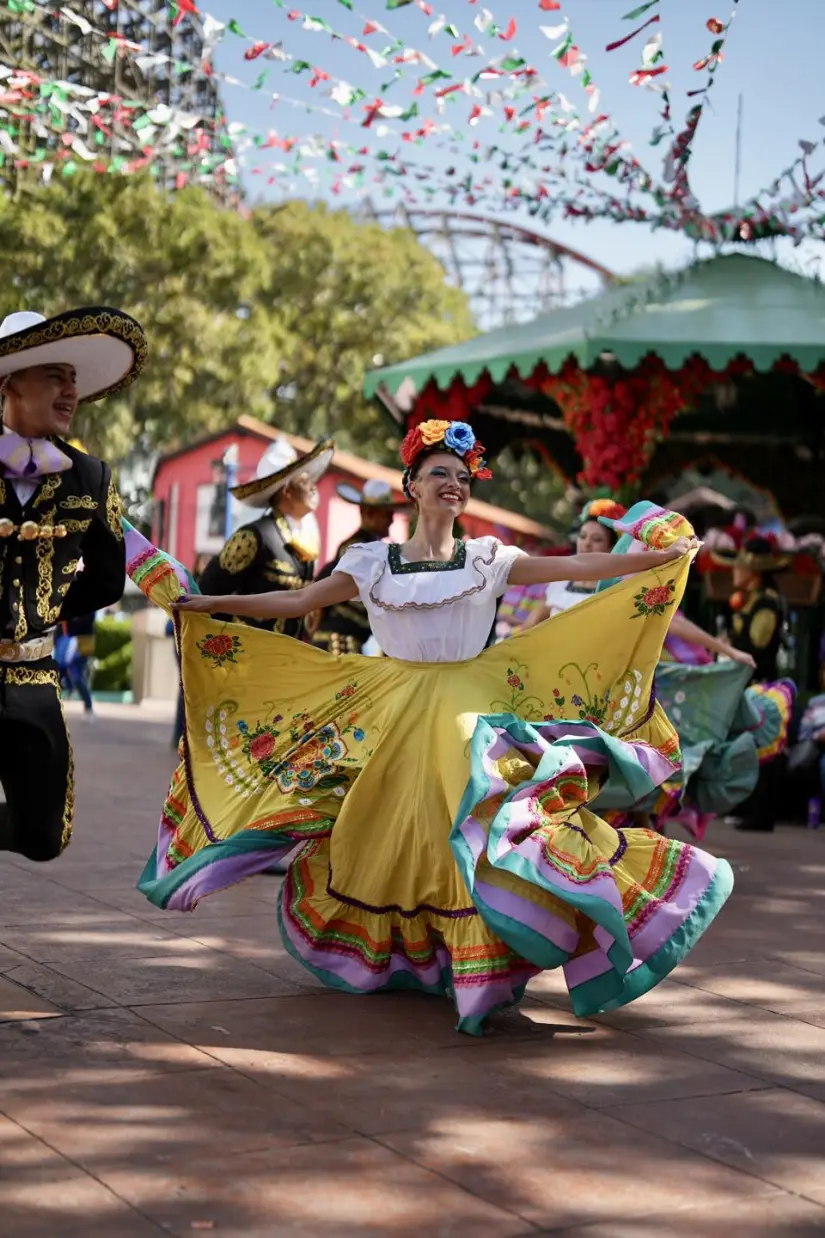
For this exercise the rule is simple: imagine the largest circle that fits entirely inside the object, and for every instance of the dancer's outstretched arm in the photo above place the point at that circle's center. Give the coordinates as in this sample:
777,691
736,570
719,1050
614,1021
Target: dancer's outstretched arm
535,570
694,635
283,604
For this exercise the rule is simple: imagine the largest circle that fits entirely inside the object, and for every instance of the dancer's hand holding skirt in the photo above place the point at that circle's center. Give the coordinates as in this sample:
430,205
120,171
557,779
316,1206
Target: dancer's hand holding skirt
441,816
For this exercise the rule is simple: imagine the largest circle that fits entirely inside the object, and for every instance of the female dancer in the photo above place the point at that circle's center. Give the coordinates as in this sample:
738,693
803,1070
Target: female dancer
440,797
686,641
728,730
592,537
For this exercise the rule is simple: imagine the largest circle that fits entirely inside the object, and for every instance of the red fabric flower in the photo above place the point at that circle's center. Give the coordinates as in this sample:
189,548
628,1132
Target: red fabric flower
262,747
411,446
217,646
657,597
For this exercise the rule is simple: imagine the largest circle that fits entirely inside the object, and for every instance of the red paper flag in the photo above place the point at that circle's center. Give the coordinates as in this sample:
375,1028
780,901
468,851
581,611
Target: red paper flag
256,50
510,32
184,6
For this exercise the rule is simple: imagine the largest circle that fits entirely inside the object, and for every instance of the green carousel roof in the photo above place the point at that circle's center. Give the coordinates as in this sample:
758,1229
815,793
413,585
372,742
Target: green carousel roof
719,308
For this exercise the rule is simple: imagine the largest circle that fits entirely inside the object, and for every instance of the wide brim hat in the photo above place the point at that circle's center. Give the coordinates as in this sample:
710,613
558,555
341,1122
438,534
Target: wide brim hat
774,561
278,465
106,348
373,493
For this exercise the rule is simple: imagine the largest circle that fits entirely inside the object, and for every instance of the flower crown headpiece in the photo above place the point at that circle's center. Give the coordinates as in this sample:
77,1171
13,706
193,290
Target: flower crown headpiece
602,507
454,436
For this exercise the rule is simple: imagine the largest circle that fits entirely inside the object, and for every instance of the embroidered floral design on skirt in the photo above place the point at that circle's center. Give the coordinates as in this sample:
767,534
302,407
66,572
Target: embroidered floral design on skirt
435,843
220,648
655,600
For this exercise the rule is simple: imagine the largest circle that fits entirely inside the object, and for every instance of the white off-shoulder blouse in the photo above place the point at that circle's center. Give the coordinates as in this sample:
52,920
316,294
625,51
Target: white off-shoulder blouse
431,612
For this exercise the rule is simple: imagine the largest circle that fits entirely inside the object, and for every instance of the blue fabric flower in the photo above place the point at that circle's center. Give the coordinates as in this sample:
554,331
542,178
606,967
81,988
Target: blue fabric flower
358,734
460,438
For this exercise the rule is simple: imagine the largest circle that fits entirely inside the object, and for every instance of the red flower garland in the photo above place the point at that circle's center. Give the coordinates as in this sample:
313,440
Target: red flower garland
617,422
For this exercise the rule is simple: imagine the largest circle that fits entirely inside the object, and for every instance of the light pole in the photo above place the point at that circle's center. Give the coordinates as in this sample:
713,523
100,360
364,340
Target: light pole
230,464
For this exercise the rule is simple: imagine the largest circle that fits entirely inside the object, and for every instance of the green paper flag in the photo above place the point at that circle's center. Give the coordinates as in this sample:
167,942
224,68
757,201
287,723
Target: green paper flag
641,9
235,28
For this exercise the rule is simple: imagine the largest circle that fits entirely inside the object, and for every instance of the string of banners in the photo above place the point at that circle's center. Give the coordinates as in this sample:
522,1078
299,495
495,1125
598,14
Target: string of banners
433,111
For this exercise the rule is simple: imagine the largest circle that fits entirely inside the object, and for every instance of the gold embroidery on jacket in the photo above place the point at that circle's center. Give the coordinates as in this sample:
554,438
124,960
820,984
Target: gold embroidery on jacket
48,490
240,552
284,582
68,806
76,526
25,676
114,510
74,502
44,556
21,626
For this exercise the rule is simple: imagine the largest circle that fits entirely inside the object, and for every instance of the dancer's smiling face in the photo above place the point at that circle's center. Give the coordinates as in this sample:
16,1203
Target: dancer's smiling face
441,483
593,538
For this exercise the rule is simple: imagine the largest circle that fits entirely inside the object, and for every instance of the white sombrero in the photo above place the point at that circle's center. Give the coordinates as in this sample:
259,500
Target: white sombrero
278,465
373,493
106,347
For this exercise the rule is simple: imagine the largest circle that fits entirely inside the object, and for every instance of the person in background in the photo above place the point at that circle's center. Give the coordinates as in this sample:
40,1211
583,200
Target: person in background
72,652
808,756
757,620
758,612
591,537
345,628
279,550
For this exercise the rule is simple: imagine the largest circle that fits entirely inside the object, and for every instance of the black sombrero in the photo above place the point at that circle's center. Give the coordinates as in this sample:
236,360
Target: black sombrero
106,348
757,554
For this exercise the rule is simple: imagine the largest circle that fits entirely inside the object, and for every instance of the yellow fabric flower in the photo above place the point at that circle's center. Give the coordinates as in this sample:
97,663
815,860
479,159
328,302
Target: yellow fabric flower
433,432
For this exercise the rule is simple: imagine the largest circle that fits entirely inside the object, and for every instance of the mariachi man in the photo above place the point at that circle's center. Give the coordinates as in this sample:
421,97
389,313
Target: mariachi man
346,628
279,549
757,623
58,510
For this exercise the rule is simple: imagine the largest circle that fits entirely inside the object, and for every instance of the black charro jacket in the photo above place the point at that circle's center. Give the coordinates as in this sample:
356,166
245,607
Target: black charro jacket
259,558
71,516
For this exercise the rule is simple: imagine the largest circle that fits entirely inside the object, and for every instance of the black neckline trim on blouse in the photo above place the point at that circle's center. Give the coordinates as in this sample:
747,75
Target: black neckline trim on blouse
399,567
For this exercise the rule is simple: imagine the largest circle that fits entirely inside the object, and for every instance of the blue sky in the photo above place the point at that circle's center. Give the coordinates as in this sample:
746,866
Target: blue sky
772,58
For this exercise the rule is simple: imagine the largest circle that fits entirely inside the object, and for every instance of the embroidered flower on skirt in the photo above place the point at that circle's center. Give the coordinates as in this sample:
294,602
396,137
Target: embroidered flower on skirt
220,648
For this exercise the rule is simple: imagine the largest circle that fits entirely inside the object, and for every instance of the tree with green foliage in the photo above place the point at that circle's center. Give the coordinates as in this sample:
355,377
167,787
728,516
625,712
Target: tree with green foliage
350,296
275,311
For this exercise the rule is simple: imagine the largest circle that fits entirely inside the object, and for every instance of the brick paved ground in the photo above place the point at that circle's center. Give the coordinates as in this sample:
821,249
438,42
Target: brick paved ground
191,1078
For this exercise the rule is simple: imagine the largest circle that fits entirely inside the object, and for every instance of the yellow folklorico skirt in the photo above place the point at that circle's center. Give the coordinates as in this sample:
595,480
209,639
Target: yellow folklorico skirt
441,818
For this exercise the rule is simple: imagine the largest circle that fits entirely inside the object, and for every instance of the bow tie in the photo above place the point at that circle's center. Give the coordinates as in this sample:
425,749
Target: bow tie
30,458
